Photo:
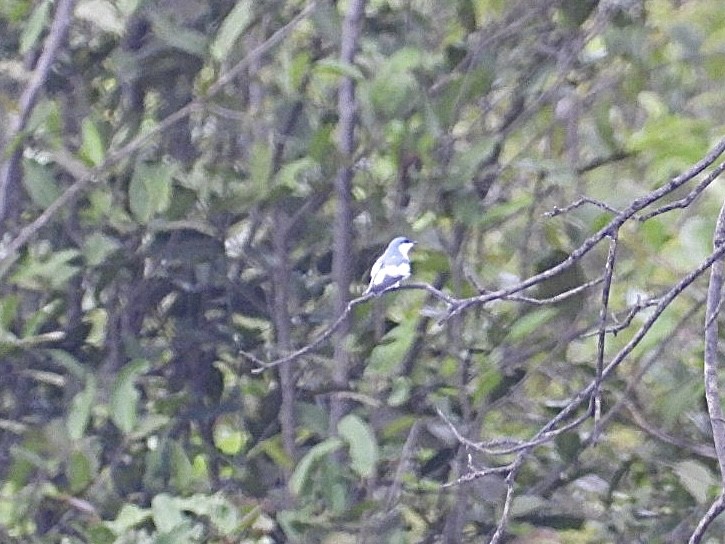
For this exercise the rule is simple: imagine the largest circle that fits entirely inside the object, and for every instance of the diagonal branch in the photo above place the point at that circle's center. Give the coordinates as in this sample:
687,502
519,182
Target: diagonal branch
613,226
10,171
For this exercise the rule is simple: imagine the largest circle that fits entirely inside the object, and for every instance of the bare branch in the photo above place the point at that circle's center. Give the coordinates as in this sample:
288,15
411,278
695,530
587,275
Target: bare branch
639,420
717,507
578,204
585,393
613,226
437,293
712,386
691,196
327,333
311,346
9,173
602,336
558,298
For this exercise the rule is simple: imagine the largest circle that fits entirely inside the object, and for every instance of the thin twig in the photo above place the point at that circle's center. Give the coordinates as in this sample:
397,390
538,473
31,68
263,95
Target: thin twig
627,321
558,298
716,508
613,226
56,37
579,203
586,392
639,420
689,198
602,336
262,366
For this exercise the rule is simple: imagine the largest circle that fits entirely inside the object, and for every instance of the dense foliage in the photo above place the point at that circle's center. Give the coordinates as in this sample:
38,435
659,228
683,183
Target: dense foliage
190,188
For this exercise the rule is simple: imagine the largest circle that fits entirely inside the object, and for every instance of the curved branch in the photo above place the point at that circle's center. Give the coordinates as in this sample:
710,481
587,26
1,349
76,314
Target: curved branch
717,508
311,346
712,386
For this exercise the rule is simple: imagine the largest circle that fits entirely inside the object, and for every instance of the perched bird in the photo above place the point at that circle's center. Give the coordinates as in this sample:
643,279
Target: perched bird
392,267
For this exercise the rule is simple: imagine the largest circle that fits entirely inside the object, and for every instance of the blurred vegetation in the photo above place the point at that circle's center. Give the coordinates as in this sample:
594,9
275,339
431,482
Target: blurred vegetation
127,414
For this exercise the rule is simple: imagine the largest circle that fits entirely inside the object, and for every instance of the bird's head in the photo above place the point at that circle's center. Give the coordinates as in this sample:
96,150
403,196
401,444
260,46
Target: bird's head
402,245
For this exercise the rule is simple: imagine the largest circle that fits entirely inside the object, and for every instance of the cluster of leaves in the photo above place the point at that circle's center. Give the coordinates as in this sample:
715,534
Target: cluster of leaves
200,140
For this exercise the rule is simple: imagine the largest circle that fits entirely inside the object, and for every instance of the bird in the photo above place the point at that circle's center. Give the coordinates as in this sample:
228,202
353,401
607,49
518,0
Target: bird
392,267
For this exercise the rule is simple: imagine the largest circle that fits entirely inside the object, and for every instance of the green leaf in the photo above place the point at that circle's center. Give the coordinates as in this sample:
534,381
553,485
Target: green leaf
149,192
532,321
179,37
388,354
228,439
8,310
34,27
39,182
128,517
93,148
98,247
302,476
696,478
102,14
52,272
80,410
260,168
125,396
78,471
220,512
166,513
68,362
360,437
339,68
182,472
231,28
296,175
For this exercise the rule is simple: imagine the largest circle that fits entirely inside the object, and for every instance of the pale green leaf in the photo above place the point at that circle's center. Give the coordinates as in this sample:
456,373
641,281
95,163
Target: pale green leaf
93,148
696,478
128,517
302,475
79,471
339,68
39,182
177,36
98,247
182,472
53,272
80,410
360,437
34,27
231,28
149,192
125,396
388,354
166,513
101,13
228,439
220,512
531,322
